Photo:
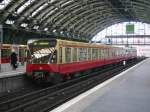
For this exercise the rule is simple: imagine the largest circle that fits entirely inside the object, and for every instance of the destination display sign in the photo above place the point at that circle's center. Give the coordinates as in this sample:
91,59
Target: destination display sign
50,43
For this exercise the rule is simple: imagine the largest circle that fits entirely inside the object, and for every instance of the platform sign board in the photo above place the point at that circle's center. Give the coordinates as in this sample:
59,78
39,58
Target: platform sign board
130,29
1,42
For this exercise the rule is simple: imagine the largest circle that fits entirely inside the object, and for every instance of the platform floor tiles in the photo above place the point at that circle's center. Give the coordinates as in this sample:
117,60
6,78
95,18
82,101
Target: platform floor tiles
131,93
6,70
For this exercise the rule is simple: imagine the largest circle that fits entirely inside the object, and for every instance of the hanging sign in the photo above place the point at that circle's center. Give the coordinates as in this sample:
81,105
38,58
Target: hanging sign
130,29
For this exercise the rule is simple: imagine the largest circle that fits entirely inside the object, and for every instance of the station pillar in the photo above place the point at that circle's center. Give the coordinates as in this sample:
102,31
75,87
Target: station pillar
1,42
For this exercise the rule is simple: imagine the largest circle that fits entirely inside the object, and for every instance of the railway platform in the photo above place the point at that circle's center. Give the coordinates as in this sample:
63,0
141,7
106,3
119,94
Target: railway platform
126,92
11,80
6,70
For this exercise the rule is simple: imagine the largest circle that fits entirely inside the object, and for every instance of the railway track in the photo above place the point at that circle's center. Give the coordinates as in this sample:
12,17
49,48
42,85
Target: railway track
48,98
20,92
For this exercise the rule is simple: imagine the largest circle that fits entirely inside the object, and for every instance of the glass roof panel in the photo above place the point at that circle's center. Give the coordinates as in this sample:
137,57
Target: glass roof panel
24,6
39,9
4,3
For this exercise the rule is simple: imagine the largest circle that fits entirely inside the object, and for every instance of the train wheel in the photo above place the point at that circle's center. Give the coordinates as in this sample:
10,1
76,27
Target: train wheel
57,78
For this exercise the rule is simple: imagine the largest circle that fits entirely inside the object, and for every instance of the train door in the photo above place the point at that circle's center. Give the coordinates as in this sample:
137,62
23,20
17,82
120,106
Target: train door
22,54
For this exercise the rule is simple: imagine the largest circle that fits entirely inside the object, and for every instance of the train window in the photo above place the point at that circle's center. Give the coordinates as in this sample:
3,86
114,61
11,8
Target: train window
96,50
100,53
94,53
60,54
5,53
22,53
85,51
104,53
74,54
89,53
68,55
109,53
113,52
82,54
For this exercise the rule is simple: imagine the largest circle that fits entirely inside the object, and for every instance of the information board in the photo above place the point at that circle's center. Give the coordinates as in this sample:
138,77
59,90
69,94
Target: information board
130,29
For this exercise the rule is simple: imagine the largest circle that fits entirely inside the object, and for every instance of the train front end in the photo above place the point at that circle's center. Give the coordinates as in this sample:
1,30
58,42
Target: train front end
42,63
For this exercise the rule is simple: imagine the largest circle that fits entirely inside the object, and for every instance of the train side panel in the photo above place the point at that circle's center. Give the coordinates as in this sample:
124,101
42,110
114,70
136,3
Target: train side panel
74,57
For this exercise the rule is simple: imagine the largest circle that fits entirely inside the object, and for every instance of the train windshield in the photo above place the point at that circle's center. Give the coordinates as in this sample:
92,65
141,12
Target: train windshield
42,51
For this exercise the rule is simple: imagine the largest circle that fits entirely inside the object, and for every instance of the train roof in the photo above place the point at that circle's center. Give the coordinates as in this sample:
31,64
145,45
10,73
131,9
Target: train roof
81,44
68,42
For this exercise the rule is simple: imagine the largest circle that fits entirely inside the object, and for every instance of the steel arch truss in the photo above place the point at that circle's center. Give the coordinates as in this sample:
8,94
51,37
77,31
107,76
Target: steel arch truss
76,17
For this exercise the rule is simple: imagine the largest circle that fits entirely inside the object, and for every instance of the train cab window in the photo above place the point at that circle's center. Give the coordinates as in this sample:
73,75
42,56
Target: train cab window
74,54
43,51
68,55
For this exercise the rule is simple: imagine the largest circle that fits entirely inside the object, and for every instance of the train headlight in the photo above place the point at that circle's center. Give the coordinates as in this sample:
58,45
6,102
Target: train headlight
40,68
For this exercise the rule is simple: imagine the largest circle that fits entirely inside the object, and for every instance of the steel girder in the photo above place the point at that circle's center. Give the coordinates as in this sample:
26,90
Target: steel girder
81,16
76,10
100,24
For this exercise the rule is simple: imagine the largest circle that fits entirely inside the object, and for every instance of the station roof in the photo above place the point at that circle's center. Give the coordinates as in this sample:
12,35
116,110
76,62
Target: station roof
79,18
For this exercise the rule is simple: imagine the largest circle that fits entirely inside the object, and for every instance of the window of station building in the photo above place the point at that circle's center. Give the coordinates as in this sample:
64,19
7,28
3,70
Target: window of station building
60,55
68,55
89,53
74,54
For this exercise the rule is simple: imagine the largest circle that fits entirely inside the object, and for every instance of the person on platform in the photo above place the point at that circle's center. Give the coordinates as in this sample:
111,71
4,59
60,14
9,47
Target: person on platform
13,59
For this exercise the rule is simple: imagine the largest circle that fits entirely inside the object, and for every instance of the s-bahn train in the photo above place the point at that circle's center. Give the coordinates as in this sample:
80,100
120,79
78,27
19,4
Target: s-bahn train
54,59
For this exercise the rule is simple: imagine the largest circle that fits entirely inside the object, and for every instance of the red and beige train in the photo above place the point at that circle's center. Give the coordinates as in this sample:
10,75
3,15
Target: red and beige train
54,59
